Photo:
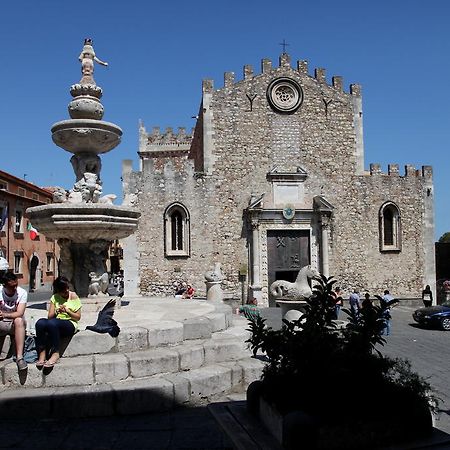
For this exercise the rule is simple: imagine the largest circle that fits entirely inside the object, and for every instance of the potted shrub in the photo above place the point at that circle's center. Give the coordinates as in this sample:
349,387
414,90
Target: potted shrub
329,388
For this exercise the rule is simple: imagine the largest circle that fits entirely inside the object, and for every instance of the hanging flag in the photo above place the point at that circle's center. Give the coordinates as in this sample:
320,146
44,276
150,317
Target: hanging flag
4,217
33,232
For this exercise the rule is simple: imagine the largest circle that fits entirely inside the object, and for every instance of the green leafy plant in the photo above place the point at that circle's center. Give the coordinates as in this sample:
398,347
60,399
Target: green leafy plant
311,363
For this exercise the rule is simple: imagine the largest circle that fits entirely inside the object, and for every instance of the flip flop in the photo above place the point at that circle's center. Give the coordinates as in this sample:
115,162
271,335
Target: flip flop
48,364
40,364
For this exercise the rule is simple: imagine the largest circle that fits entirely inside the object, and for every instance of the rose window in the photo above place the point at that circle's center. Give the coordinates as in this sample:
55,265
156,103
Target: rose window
284,95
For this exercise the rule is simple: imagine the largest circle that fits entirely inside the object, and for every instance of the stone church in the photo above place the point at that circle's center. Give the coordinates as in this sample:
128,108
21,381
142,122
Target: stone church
272,178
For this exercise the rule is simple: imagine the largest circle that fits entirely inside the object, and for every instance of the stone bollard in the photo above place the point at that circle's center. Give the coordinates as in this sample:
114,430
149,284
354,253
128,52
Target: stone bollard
214,291
213,280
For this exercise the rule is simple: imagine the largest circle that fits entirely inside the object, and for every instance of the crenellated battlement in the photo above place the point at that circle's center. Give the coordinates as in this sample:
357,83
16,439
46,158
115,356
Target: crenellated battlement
284,62
409,171
167,140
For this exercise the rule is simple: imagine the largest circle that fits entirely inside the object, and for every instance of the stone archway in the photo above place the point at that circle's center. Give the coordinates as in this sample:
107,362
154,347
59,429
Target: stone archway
34,264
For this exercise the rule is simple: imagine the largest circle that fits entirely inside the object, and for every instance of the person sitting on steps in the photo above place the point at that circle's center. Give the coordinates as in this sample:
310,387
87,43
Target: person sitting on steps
13,302
64,314
189,292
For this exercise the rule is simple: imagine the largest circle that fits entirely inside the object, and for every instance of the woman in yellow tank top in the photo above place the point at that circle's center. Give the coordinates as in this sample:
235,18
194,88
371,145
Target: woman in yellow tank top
64,314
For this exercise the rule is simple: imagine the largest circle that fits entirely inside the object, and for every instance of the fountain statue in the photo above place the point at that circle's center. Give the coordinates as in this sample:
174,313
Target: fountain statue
82,220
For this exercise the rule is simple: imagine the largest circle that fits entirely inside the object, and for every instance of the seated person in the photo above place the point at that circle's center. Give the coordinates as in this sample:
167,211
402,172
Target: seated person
181,289
13,301
250,310
189,292
64,314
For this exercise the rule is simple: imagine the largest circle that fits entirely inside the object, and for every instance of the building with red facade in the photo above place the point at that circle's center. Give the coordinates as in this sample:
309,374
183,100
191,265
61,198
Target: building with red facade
30,255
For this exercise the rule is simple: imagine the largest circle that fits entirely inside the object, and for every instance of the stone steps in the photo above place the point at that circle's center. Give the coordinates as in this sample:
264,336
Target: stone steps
156,393
129,364
154,364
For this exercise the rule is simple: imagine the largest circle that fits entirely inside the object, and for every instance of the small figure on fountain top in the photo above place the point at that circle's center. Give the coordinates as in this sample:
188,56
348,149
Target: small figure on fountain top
87,58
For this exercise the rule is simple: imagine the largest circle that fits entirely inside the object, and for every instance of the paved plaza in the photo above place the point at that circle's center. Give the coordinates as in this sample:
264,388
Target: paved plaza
194,428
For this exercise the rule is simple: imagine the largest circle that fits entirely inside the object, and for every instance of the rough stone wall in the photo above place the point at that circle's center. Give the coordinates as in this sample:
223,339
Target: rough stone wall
243,139
356,260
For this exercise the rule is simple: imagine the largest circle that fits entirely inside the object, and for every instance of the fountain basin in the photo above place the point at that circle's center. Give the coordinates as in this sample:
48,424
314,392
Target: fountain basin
86,135
82,222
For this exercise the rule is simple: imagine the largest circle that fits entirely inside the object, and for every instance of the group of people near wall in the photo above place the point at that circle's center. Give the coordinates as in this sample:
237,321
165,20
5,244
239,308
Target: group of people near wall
62,320
184,290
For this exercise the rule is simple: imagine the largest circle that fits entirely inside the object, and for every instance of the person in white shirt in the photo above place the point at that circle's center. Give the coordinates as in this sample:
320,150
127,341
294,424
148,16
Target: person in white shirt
13,302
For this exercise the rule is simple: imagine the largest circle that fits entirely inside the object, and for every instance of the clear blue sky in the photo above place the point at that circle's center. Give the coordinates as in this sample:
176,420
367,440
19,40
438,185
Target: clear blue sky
159,52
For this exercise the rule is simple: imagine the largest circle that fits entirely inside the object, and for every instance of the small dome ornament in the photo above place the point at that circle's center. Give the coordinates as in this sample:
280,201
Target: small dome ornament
284,95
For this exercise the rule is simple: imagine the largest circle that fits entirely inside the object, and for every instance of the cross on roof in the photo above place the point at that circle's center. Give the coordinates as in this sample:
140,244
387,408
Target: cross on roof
284,44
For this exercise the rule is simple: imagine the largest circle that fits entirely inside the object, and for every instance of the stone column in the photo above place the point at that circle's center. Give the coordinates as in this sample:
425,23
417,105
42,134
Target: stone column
325,245
256,288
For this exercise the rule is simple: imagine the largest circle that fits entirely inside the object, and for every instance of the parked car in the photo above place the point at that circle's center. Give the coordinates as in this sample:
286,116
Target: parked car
434,316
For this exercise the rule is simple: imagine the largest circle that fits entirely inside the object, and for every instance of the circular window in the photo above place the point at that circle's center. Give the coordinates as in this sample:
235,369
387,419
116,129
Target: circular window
284,95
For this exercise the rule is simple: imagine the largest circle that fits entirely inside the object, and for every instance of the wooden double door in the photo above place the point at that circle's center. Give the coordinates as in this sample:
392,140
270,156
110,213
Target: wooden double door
287,252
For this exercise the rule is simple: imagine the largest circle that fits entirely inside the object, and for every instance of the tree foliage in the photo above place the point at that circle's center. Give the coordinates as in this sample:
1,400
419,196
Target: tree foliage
445,238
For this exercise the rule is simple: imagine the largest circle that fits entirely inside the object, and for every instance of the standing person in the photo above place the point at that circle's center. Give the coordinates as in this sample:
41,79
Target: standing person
337,296
427,296
64,314
354,302
13,302
367,298
386,302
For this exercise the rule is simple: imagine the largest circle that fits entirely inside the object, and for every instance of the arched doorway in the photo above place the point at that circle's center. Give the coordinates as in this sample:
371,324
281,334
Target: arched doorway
34,264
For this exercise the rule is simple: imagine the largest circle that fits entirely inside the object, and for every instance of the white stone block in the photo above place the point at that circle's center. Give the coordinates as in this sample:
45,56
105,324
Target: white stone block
209,380
31,377
166,332
152,362
222,350
252,369
133,339
191,356
197,328
88,342
237,372
77,371
218,322
181,387
110,367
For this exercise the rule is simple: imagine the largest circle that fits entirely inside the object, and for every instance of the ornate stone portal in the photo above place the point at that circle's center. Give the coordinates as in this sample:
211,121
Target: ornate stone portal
83,222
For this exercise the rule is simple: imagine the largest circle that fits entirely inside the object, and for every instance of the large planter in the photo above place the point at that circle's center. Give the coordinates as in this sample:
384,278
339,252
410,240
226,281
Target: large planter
296,428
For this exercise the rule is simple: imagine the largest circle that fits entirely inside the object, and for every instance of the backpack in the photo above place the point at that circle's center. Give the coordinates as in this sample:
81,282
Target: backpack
29,350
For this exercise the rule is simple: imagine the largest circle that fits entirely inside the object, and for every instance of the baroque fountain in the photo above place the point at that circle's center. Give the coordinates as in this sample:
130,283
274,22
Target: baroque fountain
84,222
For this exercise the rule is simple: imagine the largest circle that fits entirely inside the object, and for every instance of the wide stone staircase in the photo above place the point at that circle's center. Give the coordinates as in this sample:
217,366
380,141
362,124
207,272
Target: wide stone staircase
169,352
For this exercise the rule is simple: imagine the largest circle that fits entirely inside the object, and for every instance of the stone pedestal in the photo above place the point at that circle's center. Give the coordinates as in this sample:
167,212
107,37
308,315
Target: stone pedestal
214,291
291,309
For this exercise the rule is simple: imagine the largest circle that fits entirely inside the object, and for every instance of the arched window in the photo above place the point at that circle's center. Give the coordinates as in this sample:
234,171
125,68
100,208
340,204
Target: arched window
390,227
177,230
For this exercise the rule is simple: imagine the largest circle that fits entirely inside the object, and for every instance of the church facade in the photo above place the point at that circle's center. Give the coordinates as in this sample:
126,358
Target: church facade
272,179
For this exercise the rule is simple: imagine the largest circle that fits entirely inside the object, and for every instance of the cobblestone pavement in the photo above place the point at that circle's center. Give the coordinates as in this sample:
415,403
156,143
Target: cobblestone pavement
429,353
187,428
194,428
